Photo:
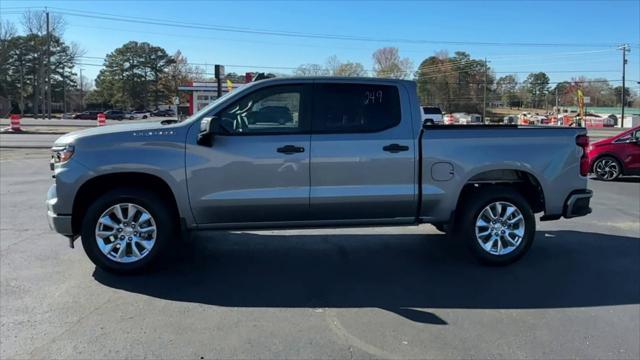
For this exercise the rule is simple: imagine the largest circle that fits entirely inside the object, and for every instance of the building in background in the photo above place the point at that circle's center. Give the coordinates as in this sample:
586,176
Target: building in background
201,94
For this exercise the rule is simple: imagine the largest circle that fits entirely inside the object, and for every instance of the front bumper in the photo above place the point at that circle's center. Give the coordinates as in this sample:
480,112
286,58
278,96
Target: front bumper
577,204
57,222
60,223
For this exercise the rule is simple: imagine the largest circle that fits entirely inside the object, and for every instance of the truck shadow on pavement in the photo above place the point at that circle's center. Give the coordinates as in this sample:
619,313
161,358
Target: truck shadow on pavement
402,273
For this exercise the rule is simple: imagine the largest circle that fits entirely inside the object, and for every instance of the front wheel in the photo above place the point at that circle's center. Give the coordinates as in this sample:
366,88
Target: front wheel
607,168
127,230
498,225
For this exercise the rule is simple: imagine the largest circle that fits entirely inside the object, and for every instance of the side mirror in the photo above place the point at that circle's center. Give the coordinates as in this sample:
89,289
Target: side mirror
223,126
205,136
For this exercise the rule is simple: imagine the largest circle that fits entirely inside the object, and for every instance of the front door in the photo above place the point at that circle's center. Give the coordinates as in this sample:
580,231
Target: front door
631,156
362,153
258,169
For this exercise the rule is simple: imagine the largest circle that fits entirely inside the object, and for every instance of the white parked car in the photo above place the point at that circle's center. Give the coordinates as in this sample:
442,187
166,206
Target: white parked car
461,118
432,115
137,115
475,119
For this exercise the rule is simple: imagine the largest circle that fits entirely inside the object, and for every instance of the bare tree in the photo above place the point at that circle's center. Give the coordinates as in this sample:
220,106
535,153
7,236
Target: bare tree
388,64
351,69
35,26
7,31
332,64
35,22
335,67
311,70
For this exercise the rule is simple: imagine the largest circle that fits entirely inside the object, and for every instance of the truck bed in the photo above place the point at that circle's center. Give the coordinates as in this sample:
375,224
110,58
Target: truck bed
457,155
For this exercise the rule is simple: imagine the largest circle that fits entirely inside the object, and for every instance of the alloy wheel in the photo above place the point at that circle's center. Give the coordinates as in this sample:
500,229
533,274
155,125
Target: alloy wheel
126,232
500,228
607,169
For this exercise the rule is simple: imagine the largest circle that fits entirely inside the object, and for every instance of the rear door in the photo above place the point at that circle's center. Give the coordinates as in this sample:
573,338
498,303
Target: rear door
362,153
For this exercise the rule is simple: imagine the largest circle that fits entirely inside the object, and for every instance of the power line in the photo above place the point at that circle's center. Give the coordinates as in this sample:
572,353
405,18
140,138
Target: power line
254,31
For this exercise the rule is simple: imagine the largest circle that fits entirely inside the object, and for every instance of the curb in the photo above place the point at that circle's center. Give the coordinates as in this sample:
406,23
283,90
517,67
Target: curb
23,147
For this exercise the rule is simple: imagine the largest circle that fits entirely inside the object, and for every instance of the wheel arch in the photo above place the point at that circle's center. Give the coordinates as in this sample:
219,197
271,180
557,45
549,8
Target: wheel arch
523,181
96,186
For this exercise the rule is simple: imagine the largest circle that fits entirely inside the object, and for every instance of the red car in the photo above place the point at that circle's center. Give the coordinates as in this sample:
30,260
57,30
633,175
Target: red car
87,115
615,156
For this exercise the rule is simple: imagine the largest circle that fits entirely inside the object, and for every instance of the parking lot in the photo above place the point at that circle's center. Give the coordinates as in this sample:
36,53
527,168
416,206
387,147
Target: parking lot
406,292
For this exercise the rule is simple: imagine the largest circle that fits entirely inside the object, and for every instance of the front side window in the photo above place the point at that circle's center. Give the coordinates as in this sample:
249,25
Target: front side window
269,110
355,108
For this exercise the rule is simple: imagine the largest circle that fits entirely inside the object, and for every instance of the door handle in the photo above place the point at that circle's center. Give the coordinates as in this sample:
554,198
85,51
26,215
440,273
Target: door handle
395,148
290,149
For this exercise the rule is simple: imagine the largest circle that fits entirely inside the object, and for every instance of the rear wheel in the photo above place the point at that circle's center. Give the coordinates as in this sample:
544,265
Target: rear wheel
498,225
127,230
607,168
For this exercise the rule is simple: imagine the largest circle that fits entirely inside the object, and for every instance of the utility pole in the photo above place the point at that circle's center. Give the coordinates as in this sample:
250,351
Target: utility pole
625,48
21,86
81,93
484,101
48,68
64,93
556,97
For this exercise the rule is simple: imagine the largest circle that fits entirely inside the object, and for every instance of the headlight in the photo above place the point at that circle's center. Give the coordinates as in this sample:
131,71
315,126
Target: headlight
61,154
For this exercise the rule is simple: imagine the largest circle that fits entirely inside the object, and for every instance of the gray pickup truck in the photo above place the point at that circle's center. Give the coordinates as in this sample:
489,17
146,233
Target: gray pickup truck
311,152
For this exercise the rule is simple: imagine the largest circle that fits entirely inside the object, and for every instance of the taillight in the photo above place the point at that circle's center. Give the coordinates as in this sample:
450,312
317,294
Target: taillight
583,142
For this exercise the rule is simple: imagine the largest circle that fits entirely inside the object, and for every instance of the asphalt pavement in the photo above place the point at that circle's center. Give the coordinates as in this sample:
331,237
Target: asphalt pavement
407,292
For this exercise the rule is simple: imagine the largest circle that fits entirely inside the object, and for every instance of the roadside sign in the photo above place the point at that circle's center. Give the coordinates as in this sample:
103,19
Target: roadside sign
587,99
176,100
219,71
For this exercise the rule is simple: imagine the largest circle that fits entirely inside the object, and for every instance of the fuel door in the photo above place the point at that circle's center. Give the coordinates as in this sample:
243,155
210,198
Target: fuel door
442,171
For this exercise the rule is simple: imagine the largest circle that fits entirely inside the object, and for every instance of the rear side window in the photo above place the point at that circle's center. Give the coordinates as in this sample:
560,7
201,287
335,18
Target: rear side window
354,108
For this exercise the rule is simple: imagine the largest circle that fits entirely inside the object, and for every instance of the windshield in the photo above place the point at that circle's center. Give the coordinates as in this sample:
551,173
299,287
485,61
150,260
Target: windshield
208,108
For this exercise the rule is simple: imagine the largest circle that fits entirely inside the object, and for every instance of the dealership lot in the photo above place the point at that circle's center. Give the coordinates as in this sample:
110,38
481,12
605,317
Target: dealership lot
361,293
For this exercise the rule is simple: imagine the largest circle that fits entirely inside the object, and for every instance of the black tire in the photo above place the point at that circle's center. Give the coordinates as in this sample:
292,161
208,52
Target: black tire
144,116
158,208
471,210
607,175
